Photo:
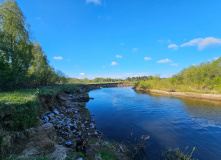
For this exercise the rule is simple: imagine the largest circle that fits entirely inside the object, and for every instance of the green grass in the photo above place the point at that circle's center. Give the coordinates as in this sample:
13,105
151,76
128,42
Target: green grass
106,155
75,156
167,85
19,109
176,154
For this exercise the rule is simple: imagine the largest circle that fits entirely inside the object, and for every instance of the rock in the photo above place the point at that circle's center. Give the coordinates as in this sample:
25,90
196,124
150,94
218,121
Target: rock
56,111
69,143
28,153
59,153
74,131
92,125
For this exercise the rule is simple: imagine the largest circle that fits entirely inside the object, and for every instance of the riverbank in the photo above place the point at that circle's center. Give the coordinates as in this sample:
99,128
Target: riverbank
64,128
202,96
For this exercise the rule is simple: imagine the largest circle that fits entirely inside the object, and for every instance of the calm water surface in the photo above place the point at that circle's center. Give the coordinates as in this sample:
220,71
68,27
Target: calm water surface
170,122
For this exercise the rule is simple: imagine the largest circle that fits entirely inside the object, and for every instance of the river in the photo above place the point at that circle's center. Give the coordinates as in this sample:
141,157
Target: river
170,122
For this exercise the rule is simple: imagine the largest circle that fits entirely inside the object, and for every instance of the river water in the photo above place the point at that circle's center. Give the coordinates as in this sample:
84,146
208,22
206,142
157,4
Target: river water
170,122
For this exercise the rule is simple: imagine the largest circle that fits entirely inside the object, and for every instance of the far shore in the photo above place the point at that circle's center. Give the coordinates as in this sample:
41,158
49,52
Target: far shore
203,96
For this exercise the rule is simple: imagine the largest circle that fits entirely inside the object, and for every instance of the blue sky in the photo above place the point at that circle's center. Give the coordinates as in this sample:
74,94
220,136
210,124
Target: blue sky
121,38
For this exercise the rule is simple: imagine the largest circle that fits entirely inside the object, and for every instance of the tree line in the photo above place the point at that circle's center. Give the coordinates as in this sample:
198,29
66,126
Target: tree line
23,63
203,77
95,80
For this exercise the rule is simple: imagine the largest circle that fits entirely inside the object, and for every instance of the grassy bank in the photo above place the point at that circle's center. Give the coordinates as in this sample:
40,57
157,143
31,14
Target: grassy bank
203,78
19,109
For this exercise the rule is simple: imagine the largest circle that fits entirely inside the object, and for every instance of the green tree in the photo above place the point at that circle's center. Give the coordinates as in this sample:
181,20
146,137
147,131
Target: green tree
15,44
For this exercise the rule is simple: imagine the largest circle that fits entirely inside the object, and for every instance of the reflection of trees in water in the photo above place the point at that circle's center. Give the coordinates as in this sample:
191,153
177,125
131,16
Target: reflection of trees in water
210,111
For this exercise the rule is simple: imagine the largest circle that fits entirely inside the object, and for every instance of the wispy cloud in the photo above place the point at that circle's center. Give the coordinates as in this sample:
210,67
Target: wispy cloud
147,58
164,41
202,43
164,61
82,74
94,1
213,59
38,18
173,46
135,49
122,44
114,63
174,64
58,58
119,56
103,66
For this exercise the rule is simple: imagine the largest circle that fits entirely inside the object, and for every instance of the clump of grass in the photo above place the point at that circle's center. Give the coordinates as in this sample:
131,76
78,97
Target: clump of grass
75,156
92,140
19,108
176,154
105,155
87,113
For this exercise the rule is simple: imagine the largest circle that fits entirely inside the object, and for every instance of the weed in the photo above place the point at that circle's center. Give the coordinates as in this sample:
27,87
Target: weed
92,141
87,113
105,155
177,154
75,156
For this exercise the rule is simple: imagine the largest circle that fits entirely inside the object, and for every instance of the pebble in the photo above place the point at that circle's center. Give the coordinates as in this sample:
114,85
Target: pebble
69,143
56,111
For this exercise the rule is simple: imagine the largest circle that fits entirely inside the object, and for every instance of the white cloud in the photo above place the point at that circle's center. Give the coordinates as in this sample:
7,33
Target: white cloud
58,58
82,74
114,63
103,66
173,46
174,64
164,61
202,43
213,59
147,58
94,1
135,49
122,44
118,56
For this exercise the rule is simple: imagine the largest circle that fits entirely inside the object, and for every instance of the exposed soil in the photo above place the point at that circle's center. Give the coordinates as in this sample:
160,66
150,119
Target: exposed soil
65,128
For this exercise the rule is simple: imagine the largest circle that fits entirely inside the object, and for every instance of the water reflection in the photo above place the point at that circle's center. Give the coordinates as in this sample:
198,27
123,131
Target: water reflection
170,122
